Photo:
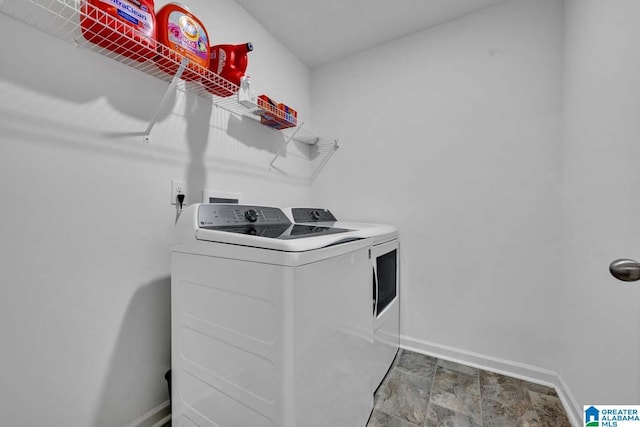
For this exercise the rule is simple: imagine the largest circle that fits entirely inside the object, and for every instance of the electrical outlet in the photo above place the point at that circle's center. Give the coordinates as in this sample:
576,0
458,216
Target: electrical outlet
179,187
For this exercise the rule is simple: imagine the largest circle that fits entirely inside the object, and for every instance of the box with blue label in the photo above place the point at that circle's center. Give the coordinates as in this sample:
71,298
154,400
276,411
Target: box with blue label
276,115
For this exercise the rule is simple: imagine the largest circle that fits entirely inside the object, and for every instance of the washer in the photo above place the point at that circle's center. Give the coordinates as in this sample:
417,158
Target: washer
270,320
385,292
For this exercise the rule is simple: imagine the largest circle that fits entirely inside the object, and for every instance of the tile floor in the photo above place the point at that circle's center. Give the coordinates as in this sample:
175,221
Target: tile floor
424,391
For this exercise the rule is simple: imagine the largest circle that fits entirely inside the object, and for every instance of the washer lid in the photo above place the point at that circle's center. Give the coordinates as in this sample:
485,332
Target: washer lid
282,232
264,227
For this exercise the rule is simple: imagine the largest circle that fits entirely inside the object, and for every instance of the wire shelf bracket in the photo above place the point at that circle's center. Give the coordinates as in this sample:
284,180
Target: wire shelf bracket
165,98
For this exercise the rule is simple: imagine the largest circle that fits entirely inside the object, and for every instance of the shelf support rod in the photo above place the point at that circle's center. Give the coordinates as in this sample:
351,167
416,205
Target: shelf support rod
325,161
165,98
284,146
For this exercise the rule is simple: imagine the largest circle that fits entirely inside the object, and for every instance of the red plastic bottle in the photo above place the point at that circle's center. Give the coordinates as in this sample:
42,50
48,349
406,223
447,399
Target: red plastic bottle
127,27
229,61
185,36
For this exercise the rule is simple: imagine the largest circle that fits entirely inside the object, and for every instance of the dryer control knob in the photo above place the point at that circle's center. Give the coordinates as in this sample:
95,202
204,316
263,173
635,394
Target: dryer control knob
251,215
315,214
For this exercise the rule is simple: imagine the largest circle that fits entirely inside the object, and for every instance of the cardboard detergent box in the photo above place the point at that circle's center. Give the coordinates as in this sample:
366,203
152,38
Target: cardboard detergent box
276,115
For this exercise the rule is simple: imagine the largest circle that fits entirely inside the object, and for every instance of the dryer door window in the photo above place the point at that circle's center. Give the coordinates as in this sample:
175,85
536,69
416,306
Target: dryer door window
386,278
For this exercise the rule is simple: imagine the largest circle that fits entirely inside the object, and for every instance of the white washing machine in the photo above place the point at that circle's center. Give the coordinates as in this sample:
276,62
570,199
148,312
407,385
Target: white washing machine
270,321
385,293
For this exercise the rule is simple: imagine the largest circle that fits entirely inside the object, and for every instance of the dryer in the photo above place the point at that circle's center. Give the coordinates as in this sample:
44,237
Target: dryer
270,320
385,283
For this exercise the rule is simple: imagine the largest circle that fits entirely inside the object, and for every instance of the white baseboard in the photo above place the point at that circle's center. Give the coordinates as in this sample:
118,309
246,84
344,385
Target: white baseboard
501,366
156,417
574,410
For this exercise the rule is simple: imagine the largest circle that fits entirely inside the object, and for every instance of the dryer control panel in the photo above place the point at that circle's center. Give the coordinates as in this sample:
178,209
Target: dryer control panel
312,215
223,215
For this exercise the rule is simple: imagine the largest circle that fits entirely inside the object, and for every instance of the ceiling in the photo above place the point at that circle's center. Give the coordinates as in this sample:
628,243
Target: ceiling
321,31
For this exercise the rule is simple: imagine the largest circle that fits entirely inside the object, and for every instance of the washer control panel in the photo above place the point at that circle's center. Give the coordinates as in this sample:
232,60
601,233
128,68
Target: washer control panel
312,215
223,215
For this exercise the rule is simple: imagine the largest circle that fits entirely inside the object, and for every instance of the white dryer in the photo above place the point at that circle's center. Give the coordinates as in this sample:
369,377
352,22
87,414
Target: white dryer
385,293
270,321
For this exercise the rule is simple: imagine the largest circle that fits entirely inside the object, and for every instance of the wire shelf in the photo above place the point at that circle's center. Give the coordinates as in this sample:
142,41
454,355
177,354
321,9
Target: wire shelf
84,25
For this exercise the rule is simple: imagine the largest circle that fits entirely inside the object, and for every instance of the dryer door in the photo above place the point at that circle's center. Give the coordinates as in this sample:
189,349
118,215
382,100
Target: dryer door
386,275
386,331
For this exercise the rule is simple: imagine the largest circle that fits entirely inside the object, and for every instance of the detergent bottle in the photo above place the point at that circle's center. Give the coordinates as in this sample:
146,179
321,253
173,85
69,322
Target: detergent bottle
229,61
185,36
122,26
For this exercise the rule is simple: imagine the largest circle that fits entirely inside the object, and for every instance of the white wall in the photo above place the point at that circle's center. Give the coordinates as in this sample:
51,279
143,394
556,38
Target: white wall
86,221
601,204
463,124
463,119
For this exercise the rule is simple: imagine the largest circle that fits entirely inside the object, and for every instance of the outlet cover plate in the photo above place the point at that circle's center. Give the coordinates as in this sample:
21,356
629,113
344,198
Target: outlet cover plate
215,196
179,187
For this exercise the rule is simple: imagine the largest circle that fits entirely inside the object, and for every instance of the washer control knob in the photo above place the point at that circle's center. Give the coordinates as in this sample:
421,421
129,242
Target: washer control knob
251,215
315,214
